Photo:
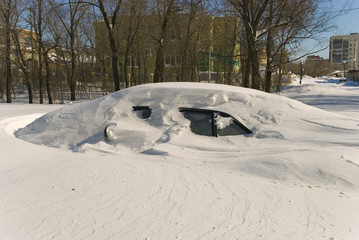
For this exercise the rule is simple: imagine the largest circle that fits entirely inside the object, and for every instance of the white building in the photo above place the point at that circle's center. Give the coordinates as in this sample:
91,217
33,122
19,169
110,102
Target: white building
345,49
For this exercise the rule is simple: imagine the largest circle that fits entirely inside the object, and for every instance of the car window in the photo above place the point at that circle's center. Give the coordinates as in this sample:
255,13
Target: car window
201,122
143,112
213,123
227,126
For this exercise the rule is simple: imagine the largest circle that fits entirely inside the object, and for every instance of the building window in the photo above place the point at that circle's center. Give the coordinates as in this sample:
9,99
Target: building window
337,43
133,62
337,58
345,43
173,61
28,42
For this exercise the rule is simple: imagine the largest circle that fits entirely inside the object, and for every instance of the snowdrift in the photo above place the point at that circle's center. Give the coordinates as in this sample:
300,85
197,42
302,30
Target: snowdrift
295,177
278,123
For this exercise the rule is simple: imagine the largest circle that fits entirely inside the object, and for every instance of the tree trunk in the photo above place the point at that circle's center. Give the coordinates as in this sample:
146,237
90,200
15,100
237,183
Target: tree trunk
269,49
114,60
8,53
252,14
116,76
268,81
246,71
72,81
159,65
254,63
134,63
39,35
41,93
29,89
253,54
110,28
73,77
125,64
47,79
22,63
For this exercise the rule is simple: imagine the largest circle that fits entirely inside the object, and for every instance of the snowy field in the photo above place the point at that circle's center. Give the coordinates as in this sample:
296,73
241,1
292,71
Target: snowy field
295,177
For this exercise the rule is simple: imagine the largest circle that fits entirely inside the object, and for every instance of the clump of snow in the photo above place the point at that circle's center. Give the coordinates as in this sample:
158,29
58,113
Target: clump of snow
222,122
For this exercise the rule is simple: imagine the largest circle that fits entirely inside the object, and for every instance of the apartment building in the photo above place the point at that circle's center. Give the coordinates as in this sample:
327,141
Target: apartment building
25,42
344,49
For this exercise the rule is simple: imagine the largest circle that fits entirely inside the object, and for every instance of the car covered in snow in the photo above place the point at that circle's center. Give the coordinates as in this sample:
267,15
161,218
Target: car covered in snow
180,114
205,122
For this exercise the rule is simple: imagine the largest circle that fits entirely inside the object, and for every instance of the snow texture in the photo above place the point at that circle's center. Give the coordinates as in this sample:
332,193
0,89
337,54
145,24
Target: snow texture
295,177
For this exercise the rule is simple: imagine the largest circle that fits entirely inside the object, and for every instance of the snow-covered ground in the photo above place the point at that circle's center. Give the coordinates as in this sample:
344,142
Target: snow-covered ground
334,96
297,178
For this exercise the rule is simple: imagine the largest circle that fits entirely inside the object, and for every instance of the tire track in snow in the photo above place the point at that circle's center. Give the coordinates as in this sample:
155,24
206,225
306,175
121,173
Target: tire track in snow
10,125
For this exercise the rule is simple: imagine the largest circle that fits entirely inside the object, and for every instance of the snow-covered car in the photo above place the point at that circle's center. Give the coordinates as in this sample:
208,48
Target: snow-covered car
203,122
181,114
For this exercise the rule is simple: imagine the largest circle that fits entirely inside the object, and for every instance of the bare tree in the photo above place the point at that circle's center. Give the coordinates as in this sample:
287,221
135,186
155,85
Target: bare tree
21,50
36,12
56,48
192,20
277,24
47,48
251,13
135,10
287,22
7,13
110,10
22,62
226,44
70,13
165,10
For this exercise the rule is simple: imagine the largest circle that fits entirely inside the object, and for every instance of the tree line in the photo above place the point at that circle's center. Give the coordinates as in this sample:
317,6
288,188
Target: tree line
49,48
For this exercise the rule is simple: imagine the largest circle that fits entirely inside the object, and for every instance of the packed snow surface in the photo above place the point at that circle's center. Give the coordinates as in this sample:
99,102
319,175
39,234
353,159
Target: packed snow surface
295,177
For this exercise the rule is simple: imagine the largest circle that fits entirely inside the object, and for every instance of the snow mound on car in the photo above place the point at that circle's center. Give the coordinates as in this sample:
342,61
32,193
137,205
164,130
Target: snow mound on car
267,115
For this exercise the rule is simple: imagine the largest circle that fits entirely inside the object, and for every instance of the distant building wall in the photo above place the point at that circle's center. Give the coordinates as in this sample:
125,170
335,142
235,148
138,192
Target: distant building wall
345,49
314,57
353,75
208,49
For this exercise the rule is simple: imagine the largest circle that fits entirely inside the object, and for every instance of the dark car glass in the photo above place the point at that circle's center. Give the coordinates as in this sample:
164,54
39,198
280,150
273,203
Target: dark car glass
201,122
213,123
231,127
142,111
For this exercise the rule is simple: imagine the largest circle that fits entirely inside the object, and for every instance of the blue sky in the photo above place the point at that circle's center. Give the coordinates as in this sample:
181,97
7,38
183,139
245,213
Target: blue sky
347,22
